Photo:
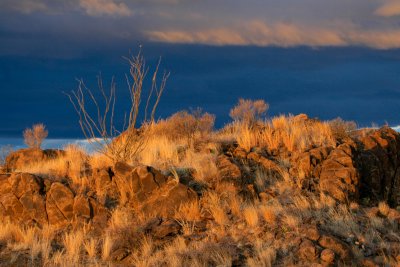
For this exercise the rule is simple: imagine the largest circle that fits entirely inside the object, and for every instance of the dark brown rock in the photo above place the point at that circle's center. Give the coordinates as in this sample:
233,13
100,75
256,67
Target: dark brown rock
335,245
312,233
227,169
379,164
81,208
21,198
328,256
166,228
59,204
339,176
308,251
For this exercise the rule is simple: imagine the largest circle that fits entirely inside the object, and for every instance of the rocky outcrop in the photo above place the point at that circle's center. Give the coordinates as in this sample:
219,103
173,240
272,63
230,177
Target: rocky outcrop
339,176
379,165
23,198
25,157
149,190
31,199
368,166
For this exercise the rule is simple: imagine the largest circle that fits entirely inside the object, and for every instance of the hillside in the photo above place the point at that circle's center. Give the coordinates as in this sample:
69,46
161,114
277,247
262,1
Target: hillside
287,191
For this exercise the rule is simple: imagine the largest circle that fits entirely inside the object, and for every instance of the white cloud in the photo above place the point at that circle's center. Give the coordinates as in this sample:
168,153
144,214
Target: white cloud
389,9
105,7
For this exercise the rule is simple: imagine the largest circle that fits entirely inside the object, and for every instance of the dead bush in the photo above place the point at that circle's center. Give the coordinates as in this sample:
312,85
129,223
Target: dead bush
249,111
186,124
341,129
34,137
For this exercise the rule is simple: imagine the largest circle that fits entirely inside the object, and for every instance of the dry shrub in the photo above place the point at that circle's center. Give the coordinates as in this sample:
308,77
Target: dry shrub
91,247
250,215
269,215
99,161
161,152
4,152
215,206
33,137
73,242
342,129
191,126
235,205
263,255
106,249
190,211
249,111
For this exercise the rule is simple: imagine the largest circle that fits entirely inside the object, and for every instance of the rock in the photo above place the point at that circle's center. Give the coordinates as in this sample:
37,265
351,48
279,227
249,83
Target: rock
59,204
165,200
166,228
339,177
308,251
240,152
24,157
368,263
102,179
328,256
312,233
81,208
379,163
227,169
149,190
21,198
335,245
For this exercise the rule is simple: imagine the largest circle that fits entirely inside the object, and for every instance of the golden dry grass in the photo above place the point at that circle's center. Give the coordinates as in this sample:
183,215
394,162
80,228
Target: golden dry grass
285,131
233,223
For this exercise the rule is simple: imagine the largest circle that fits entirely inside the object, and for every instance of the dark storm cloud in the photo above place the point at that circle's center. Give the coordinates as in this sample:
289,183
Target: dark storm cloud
373,23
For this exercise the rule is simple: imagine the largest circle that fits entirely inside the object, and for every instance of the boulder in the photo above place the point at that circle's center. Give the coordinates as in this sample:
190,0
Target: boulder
339,176
379,164
328,256
59,204
337,246
308,251
149,190
227,169
21,198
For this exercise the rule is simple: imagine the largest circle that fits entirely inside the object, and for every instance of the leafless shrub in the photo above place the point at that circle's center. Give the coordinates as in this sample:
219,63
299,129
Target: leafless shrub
4,152
99,126
341,129
186,124
249,111
33,137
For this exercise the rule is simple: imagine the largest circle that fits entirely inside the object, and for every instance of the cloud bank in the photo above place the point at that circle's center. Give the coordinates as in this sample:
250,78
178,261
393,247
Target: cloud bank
104,7
282,34
389,9
286,23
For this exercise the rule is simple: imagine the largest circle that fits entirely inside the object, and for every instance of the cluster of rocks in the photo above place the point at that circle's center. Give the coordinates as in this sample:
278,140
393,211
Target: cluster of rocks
31,199
366,166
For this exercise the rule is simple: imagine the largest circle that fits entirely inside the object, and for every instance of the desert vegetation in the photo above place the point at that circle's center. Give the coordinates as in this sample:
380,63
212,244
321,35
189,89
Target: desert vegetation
262,191
33,137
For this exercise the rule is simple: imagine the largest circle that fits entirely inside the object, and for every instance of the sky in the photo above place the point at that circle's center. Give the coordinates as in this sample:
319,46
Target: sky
74,25
322,57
